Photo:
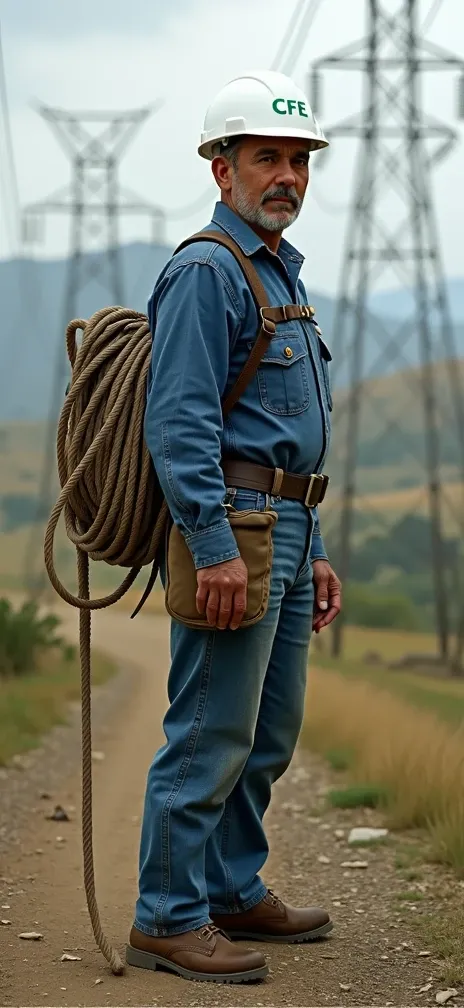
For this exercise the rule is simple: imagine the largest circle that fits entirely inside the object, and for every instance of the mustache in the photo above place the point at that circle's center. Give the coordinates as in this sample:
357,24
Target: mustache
284,192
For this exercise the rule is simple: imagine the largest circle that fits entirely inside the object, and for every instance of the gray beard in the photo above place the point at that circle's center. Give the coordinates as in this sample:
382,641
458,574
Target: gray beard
258,215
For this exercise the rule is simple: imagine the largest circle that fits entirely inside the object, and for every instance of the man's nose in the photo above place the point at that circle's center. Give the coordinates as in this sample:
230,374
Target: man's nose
286,175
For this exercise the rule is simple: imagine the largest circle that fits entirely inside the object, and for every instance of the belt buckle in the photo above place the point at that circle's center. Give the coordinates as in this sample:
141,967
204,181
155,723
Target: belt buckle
312,480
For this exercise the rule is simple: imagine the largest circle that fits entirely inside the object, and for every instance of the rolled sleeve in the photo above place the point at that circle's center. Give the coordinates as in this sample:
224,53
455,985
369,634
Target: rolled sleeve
317,551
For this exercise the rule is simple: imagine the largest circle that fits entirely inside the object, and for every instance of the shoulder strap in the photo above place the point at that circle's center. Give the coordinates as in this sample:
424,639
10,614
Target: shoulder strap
267,327
250,272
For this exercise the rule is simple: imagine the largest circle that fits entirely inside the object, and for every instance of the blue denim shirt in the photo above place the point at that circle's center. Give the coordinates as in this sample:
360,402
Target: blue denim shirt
206,323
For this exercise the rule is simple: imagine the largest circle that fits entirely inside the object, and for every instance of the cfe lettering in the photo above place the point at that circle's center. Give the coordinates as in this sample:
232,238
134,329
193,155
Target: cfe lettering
289,107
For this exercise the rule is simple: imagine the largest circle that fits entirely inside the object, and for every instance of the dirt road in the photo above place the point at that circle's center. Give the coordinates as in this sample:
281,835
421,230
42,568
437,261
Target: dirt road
372,959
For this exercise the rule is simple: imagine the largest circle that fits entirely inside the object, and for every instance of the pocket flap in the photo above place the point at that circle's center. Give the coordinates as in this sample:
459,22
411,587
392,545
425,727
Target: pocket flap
284,350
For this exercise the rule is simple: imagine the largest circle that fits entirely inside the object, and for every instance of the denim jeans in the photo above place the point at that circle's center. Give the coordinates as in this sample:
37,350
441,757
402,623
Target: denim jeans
236,708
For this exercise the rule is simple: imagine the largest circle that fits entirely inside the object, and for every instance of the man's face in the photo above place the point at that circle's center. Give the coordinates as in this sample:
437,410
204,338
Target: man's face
268,183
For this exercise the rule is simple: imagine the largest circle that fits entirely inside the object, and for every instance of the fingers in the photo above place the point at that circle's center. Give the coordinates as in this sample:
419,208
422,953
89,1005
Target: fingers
322,619
239,608
322,593
223,610
201,598
212,606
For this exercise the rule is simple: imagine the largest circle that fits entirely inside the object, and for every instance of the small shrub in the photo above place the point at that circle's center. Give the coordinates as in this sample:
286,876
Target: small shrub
24,636
338,759
358,796
410,897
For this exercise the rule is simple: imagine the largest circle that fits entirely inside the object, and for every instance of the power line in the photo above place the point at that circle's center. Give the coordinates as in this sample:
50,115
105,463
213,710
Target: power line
430,17
12,209
291,60
297,11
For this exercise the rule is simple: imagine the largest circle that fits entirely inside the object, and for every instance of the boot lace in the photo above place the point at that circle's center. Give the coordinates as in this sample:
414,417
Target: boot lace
207,932
274,899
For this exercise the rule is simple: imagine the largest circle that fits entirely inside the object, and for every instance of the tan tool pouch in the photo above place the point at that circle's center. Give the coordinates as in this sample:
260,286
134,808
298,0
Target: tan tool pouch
253,533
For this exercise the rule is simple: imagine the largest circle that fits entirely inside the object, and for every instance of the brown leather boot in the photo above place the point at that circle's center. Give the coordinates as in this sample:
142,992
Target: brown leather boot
205,954
272,921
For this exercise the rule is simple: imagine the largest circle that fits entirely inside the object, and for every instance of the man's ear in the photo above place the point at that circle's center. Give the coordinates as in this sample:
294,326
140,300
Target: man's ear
222,171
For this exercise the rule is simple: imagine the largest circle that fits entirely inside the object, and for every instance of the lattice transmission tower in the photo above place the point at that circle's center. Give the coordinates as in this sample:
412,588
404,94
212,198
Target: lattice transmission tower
94,202
392,231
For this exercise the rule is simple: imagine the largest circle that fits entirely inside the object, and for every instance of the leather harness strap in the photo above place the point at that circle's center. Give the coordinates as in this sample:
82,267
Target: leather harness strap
287,313
249,476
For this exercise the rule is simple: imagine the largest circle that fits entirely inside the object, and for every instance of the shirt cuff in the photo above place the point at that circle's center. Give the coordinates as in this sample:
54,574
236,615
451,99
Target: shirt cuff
317,551
213,545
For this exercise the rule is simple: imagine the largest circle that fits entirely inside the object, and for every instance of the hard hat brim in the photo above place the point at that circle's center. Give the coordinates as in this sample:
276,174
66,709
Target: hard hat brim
205,149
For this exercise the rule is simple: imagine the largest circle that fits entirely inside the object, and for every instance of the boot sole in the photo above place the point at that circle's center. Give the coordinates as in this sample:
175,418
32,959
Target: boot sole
147,960
291,939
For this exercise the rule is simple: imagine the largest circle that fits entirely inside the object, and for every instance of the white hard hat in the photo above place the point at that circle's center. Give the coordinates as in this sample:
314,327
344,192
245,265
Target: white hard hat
260,103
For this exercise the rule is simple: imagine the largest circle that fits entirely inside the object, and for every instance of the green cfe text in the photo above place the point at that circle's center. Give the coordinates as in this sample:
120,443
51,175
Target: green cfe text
290,106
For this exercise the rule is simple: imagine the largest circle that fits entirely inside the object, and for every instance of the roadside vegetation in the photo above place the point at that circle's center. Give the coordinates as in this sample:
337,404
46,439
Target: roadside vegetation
39,676
395,742
398,742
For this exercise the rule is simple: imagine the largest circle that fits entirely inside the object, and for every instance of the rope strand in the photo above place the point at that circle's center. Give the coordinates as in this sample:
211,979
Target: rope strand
113,506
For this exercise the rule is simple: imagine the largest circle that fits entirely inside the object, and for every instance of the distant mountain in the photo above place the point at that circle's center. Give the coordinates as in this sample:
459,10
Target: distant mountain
32,319
398,303
32,323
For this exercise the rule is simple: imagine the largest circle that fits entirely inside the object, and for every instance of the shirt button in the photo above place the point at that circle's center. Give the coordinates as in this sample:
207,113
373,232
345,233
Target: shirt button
288,351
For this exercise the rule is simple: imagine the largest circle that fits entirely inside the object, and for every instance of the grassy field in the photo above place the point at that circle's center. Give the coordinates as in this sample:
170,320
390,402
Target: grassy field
443,696
32,704
399,732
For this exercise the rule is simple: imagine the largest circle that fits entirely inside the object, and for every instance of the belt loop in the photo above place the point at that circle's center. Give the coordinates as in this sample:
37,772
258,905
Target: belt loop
277,482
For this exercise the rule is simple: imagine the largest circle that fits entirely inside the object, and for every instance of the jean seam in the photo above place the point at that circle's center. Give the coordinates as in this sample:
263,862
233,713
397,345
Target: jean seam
227,816
180,780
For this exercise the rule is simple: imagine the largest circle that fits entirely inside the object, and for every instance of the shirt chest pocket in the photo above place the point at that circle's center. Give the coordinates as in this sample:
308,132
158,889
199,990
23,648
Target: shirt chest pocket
283,375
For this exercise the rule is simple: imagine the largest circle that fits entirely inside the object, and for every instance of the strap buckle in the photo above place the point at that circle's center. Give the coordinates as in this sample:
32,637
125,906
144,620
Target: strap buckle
305,312
265,322
323,482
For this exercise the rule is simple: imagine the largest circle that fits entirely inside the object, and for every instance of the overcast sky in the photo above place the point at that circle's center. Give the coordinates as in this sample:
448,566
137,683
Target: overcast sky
100,54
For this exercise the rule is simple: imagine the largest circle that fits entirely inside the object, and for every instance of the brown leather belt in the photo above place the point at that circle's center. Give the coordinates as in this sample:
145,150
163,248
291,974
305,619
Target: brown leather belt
247,475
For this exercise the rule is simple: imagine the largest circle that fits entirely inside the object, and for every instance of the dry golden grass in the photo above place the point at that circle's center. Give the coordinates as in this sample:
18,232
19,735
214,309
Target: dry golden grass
416,759
390,644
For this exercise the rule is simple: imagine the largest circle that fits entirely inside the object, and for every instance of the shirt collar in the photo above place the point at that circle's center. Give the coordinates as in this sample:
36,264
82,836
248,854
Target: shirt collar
246,238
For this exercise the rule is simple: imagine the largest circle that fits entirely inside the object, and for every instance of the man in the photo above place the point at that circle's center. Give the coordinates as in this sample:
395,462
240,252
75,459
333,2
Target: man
236,695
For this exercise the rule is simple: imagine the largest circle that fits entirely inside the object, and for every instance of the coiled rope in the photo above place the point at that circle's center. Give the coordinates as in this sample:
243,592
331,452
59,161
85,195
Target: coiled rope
113,507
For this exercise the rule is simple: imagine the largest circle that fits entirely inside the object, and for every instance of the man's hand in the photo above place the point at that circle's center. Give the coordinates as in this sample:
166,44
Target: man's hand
222,593
327,602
